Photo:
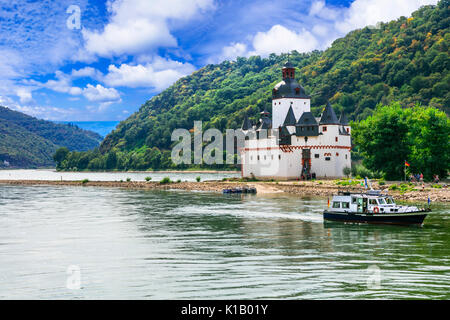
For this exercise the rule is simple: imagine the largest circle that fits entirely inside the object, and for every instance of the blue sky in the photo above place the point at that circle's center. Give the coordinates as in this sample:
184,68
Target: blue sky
80,60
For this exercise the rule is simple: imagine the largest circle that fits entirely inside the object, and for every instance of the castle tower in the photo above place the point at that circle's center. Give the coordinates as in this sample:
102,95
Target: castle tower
286,94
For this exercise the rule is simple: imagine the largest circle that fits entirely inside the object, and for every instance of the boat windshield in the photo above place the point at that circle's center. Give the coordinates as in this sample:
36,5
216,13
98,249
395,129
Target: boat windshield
389,200
381,201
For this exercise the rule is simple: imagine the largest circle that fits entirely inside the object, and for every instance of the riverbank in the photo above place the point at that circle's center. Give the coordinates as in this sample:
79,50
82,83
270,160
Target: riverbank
322,188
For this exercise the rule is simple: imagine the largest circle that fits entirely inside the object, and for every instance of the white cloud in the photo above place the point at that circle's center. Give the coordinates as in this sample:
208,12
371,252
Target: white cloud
321,26
41,112
86,72
140,25
319,8
280,39
234,50
62,83
101,94
24,94
368,12
158,74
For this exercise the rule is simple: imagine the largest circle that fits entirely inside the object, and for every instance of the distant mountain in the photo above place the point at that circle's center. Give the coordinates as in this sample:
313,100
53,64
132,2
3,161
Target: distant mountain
100,127
29,142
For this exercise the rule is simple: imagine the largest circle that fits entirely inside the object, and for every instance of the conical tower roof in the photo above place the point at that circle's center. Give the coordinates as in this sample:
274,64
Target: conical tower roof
290,118
343,119
246,124
328,115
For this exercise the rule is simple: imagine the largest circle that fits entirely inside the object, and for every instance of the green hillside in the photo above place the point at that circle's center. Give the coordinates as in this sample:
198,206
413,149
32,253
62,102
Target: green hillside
405,60
29,142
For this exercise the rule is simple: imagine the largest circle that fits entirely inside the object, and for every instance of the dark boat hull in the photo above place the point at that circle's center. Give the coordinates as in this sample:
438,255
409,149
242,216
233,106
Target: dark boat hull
415,218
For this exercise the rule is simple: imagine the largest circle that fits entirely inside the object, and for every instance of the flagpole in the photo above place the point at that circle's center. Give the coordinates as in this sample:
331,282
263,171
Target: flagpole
404,169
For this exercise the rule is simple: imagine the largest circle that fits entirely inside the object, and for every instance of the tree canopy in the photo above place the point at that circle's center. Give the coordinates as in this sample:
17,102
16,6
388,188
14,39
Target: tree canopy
393,134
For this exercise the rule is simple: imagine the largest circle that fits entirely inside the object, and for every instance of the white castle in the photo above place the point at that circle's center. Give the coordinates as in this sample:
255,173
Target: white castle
295,144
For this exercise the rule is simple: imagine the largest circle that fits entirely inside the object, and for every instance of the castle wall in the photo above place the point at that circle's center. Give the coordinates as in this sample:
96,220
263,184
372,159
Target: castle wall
264,159
280,108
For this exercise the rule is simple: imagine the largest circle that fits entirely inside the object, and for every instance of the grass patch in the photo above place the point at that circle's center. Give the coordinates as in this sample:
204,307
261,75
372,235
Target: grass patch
347,182
165,180
403,187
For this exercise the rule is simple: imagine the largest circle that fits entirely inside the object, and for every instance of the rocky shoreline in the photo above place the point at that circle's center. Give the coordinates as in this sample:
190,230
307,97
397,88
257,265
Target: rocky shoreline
323,188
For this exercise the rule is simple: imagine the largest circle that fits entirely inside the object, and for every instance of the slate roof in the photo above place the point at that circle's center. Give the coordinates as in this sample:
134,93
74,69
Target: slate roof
264,122
288,65
289,88
290,118
284,131
246,124
328,115
307,119
343,119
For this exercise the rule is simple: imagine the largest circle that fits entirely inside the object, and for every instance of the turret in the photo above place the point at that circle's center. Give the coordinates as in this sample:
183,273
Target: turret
289,121
287,94
343,121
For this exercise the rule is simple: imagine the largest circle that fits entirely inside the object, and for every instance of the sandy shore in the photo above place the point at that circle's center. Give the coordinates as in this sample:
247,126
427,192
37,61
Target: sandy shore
322,188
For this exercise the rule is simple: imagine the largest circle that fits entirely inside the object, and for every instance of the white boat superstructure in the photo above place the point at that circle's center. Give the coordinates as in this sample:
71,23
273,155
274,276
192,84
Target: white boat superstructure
372,201
372,207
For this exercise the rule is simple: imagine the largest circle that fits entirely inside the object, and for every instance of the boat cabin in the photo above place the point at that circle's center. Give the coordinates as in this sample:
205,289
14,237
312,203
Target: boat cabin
372,201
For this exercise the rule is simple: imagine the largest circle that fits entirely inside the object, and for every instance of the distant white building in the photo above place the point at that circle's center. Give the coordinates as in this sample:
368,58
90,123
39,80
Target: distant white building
294,144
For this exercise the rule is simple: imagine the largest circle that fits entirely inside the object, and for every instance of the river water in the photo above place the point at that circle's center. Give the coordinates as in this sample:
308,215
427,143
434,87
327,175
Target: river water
105,243
47,174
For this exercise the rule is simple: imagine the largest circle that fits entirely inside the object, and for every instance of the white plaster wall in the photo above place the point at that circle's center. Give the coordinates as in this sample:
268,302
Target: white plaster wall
289,166
280,108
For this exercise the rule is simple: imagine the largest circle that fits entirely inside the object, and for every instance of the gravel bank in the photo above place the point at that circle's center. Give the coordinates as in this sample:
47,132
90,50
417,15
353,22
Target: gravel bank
322,188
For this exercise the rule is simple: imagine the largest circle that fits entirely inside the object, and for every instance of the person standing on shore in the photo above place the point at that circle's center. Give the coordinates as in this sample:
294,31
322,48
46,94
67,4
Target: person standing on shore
436,178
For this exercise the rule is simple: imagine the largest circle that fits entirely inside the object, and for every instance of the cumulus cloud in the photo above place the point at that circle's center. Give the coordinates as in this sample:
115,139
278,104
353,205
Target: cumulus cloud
62,83
41,112
158,74
234,50
24,95
139,25
280,39
368,12
321,26
86,72
99,93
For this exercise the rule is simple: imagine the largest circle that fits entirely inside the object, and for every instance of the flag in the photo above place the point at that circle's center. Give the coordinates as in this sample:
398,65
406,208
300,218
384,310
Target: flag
365,183
328,202
429,200
407,164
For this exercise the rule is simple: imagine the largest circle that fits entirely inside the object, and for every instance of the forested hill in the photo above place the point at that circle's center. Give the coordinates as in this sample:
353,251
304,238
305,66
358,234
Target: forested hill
405,60
29,142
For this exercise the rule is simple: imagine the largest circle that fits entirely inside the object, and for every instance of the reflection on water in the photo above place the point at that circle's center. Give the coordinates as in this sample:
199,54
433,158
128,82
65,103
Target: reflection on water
193,245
